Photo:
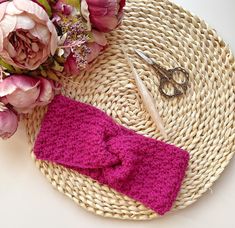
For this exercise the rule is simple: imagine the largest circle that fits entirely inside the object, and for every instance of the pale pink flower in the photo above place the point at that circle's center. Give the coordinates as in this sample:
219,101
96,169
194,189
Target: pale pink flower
27,35
24,93
8,122
104,15
20,91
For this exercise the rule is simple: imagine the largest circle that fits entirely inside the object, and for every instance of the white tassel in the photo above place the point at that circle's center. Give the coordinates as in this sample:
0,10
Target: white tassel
147,98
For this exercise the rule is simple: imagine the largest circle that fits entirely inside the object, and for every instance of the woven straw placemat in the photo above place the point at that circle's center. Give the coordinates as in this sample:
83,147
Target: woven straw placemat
202,122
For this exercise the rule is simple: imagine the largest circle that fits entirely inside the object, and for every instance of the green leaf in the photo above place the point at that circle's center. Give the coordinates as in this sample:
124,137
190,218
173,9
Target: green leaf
74,3
46,6
9,68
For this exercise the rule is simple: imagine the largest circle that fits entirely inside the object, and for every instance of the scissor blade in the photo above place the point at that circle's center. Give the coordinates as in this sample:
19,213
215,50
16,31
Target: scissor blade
144,56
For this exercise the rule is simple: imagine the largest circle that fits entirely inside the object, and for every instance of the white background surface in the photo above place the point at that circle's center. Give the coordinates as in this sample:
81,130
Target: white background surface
27,199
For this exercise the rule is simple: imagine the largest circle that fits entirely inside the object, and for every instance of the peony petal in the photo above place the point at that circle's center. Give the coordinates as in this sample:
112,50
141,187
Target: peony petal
7,87
24,22
10,84
31,8
8,24
54,37
21,57
3,9
105,15
31,65
34,63
104,7
99,37
122,3
23,99
104,23
11,50
24,83
12,10
85,13
4,54
35,47
95,51
41,32
44,53
70,66
47,92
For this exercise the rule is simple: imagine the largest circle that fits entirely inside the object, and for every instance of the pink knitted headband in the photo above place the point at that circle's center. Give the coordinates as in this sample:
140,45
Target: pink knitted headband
85,139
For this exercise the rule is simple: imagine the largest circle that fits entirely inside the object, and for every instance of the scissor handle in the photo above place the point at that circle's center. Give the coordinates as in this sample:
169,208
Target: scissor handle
179,70
168,79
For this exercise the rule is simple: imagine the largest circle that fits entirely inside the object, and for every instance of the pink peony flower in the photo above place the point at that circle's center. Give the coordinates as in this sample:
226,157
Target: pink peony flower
20,91
27,35
97,45
8,122
24,93
104,15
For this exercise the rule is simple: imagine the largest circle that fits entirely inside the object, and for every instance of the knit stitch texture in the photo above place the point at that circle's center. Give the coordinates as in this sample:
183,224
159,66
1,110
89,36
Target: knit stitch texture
83,138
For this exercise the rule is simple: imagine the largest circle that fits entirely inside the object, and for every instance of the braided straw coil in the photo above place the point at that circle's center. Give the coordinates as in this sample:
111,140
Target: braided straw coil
202,121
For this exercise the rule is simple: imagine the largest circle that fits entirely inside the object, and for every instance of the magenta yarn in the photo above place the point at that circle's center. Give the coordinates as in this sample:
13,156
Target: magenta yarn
83,138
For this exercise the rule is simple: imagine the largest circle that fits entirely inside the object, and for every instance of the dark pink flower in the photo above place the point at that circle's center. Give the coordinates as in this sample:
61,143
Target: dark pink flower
104,15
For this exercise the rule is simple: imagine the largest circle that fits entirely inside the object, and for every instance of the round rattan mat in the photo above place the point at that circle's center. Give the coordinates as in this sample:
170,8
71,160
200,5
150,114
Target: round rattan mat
202,122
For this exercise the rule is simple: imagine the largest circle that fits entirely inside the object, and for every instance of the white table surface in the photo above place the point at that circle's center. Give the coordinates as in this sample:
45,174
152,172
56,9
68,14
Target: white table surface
27,200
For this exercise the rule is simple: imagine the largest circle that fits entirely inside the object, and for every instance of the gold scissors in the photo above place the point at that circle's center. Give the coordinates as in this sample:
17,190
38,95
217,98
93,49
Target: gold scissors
168,77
